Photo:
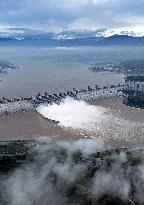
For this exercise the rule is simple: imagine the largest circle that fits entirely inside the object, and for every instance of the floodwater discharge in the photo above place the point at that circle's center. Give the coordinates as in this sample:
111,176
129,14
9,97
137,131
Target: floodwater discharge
107,119
61,69
74,114
94,120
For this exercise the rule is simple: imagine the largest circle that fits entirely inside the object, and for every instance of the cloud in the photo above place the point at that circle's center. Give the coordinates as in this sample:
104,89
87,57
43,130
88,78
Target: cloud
71,14
71,173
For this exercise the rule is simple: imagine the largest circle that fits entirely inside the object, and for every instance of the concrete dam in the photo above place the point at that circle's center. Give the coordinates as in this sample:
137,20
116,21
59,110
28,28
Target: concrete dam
24,104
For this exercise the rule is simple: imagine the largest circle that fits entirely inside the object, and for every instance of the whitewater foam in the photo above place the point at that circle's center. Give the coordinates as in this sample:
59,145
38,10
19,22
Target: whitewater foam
92,121
74,114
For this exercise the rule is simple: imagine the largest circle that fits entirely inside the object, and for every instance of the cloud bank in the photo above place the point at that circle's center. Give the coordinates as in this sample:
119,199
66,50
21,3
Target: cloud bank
66,174
57,15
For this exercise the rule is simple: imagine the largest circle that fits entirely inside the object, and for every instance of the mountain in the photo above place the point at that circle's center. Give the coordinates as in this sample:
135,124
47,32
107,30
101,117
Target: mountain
28,37
128,31
122,40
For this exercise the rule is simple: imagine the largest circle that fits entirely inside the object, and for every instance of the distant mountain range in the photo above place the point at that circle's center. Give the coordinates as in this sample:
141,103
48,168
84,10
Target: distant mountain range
21,36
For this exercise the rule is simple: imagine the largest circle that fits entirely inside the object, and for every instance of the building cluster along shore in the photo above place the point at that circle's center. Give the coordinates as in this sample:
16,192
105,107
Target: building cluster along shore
15,105
134,89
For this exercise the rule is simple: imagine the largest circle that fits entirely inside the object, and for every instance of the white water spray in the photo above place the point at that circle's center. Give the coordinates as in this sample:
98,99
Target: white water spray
74,114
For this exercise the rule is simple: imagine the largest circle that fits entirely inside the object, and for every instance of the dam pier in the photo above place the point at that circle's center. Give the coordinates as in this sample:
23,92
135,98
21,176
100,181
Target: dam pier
24,104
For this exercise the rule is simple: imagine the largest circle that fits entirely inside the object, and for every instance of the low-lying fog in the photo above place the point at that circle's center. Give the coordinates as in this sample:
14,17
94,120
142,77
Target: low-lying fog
65,173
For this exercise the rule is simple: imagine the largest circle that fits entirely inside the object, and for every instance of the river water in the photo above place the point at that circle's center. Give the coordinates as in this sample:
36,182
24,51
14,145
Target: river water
58,69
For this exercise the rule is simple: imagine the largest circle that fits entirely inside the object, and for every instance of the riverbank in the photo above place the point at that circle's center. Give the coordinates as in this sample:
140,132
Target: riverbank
124,127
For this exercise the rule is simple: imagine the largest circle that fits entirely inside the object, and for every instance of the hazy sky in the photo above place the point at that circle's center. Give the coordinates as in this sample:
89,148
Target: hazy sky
71,14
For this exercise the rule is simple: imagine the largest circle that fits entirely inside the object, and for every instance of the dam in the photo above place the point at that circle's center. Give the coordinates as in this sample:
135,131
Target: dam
24,104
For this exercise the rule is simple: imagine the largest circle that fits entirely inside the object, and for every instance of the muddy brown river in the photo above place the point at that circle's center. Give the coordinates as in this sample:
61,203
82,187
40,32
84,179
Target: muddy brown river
122,126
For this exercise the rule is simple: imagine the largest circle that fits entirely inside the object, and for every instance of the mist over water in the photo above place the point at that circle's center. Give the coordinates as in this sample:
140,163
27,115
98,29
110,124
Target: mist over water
93,121
74,114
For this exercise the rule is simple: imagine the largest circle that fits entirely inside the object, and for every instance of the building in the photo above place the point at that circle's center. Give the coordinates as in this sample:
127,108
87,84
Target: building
134,90
135,83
